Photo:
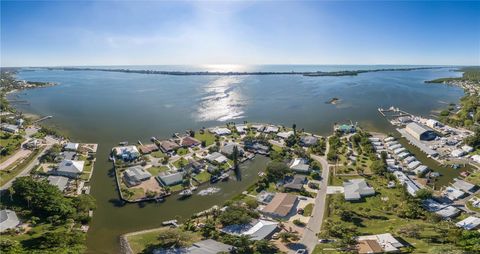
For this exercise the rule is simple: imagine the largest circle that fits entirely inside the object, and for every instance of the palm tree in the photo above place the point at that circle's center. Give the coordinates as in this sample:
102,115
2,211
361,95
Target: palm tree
11,191
236,168
28,199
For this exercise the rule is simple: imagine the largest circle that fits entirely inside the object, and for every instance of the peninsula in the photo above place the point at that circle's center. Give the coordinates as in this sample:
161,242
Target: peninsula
236,73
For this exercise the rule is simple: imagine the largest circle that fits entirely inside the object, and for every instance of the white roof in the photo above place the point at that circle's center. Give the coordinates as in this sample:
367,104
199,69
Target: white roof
413,165
285,134
118,150
469,223
476,158
458,153
388,139
71,146
71,166
416,128
8,219
409,159
271,128
462,185
421,169
221,131
217,157
240,128
354,189
467,148
399,150
452,193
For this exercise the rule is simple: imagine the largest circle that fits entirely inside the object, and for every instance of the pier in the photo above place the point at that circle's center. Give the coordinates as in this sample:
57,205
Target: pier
42,119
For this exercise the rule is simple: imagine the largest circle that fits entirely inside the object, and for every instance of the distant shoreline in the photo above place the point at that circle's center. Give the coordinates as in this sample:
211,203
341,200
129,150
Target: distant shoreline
236,73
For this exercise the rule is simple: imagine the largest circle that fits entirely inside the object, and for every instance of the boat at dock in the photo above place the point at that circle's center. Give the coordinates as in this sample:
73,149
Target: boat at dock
123,143
224,177
186,193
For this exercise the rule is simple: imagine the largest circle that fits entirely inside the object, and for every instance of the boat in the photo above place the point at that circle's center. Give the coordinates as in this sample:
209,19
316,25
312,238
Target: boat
186,193
214,179
123,143
224,177
159,200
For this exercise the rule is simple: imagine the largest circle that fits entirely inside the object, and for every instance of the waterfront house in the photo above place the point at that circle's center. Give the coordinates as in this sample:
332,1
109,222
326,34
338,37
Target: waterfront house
281,206
227,149
265,197
257,147
8,220
296,184
168,146
420,132
285,134
135,175
189,142
308,140
9,128
126,153
169,179
255,230
207,246
299,165
20,122
220,131
71,146
433,123
216,157
70,168
241,128
271,129
258,127
195,166
148,148
346,128
355,189
60,181
469,223
67,155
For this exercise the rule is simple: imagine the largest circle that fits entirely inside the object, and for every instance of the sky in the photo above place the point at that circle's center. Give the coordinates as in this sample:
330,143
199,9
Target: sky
73,33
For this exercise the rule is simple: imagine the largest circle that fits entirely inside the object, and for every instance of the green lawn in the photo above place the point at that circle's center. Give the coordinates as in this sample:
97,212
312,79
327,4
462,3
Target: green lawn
307,211
182,151
378,214
87,169
208,137
11,143
158,154
474,178
277,148
175,188
180,161
10,172
204,176
155,170
140,242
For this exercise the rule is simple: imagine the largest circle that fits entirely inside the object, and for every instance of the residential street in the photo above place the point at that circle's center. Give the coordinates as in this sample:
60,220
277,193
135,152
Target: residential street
32,164
310,239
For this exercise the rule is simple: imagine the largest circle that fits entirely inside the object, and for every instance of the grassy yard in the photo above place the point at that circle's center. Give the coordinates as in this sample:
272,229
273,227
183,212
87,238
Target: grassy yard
10,172
474,178
182,151
204,176
10,143
179,162
276,148
208,137
378,214
307,211
141,241
156,170
87,169
158,154
175,188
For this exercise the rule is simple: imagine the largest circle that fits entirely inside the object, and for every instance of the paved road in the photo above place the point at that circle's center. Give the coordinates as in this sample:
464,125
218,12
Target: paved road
31,165
310,239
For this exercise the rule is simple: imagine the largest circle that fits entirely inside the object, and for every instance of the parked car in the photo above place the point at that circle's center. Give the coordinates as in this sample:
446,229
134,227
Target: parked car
275,236
300,211
301,251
